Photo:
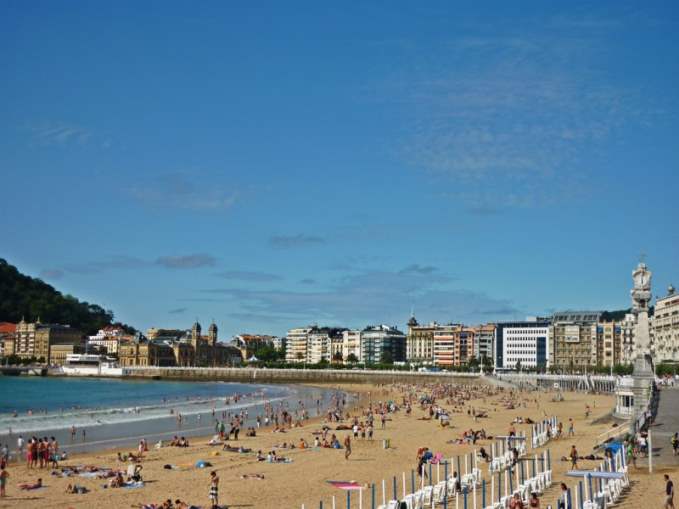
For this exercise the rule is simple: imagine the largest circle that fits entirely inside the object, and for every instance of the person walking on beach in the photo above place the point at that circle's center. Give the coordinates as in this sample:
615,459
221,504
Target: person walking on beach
669,493
564,502
675,443
347,447
4,474
214,490
631,454
574,457
571,427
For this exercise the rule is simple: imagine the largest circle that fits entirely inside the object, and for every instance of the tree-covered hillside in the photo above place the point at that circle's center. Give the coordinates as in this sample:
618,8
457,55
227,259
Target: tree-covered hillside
31,298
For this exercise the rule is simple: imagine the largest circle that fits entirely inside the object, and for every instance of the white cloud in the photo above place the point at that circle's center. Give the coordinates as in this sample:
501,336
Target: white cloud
59,133
372,296
178,190
513,114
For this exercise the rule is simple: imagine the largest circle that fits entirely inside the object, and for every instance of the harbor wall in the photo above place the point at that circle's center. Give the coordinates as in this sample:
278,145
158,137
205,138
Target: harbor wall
255,375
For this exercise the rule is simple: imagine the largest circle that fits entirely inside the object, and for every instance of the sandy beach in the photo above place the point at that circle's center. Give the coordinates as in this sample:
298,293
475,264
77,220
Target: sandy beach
303,481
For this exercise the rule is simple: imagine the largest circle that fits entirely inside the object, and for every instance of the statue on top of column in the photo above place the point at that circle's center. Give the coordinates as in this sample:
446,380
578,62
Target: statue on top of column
641,293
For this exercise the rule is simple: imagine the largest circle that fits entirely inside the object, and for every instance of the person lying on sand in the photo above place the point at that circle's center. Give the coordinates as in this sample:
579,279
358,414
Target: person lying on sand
257,477
76,489
164,505
178,504
130,456
230,448
26,486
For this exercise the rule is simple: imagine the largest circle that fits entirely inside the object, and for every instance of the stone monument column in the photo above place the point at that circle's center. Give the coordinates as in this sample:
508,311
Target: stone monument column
643,375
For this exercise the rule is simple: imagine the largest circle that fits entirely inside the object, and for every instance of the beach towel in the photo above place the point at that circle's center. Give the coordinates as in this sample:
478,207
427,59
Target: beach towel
89,475
203,464
345,485
133,484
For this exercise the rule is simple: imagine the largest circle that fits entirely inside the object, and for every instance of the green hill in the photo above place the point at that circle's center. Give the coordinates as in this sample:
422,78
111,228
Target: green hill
30,298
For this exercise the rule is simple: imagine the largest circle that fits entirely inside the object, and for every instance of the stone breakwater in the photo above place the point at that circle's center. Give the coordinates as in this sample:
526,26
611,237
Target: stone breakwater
254,375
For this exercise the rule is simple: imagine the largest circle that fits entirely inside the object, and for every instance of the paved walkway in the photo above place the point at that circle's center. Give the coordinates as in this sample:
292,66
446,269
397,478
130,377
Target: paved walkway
665,425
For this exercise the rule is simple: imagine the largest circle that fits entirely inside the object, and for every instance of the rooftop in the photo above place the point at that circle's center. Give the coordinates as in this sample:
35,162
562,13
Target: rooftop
7,327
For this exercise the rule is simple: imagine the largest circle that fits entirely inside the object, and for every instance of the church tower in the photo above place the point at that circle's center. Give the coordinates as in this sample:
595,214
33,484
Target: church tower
195,334
212,334
197,344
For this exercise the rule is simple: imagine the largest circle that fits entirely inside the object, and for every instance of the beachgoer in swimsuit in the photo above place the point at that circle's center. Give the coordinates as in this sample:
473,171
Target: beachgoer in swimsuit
214,489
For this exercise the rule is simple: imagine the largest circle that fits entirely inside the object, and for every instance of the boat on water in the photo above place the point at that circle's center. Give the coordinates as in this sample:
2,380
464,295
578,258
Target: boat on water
91,365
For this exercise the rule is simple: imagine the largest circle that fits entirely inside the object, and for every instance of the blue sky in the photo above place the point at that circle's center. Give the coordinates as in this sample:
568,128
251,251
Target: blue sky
278,164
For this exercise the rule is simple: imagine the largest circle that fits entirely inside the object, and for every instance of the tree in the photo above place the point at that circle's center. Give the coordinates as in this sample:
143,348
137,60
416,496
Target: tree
486,362
352,359
518,365
30,298
473,364
387,357
337,357
267,353
622,369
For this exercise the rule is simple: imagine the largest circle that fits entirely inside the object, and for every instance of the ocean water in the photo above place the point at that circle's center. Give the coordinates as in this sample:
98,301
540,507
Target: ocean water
113,412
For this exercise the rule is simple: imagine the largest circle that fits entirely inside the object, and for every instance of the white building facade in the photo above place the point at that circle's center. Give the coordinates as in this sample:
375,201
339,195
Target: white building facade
351,345
318,347
665,327
296,344
524,344
278,343
109,337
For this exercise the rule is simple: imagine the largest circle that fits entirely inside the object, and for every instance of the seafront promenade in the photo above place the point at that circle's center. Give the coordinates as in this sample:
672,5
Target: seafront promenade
260,375
583,383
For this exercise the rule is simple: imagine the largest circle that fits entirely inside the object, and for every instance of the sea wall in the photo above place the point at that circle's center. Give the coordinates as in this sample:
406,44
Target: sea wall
301,375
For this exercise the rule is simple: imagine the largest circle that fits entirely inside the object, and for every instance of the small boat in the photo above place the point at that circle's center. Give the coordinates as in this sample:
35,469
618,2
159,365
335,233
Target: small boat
91,365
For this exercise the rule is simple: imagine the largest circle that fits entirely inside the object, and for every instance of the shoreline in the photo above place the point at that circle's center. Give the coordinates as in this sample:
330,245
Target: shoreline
196,422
